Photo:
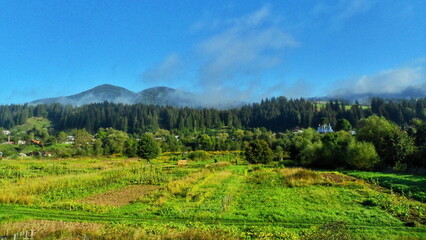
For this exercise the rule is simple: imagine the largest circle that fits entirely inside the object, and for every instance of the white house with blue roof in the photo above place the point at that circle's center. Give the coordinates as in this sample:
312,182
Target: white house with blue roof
324,128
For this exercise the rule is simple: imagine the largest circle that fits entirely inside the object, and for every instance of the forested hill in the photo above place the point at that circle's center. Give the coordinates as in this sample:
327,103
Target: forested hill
276,114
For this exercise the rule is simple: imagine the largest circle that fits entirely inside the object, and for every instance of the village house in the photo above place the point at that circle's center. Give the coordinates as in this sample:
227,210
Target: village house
324,129
6,132
70,140
297,131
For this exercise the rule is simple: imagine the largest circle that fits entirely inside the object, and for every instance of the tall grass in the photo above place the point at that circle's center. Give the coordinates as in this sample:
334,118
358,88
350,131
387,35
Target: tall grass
180,187
40,229
203,190
28,190
150,174
289,177
297,177
253,202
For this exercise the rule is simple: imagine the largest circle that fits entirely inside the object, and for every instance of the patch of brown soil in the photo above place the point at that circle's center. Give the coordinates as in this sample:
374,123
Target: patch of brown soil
122,196
338,178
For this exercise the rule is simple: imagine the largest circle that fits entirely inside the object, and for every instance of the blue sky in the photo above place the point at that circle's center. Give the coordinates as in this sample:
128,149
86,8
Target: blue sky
225,50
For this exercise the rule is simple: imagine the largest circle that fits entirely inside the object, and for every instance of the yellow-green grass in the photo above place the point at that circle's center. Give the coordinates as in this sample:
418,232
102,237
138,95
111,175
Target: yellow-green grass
221,200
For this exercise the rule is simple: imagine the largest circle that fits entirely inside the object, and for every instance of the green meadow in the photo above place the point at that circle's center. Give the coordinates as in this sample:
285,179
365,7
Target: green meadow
121,198
413,186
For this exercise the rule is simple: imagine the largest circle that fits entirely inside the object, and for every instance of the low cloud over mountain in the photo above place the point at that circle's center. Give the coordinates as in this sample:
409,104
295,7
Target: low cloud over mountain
404,82
114,94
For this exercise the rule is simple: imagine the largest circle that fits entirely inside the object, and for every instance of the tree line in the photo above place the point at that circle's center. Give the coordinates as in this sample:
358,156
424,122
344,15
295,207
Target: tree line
376,143
275,114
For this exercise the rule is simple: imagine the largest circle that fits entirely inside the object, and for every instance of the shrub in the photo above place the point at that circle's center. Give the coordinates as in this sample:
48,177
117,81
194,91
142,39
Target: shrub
391,143
199,155
148,148
413,224
266,177
300,177
258,151
311,154
362,155
370,202
8,150
219,165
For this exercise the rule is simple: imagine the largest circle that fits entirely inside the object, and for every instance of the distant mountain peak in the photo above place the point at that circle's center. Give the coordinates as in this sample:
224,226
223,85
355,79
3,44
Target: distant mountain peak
107,87
106,92
161,96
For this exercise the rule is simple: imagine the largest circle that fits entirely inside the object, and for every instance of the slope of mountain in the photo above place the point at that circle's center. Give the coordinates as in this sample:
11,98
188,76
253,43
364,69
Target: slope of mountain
167,96
115,94
97,94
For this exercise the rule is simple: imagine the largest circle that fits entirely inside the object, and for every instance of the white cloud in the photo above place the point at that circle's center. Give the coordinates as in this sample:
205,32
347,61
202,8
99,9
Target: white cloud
353,8
335,14
389,81
253,19
386,82
229,62
164,72
244,49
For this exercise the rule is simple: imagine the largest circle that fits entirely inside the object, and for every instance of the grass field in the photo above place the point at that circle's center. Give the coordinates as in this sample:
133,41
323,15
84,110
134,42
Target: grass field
322,104
130,199
407,184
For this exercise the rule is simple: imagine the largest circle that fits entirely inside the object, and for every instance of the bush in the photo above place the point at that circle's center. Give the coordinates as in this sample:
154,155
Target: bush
258,151
219,165
392,144
311,154
266,177
198,155
148,148
297,177
8,150
362,155
369,202
413,224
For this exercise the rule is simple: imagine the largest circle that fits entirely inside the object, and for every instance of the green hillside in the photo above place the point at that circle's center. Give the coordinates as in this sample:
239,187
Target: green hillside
37,123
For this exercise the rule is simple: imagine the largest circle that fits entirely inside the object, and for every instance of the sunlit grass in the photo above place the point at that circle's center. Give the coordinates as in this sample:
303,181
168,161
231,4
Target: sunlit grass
407,184
212,198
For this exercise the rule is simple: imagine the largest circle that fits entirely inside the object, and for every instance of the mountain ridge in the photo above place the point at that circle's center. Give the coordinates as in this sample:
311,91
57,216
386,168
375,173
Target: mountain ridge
115,94
165,96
